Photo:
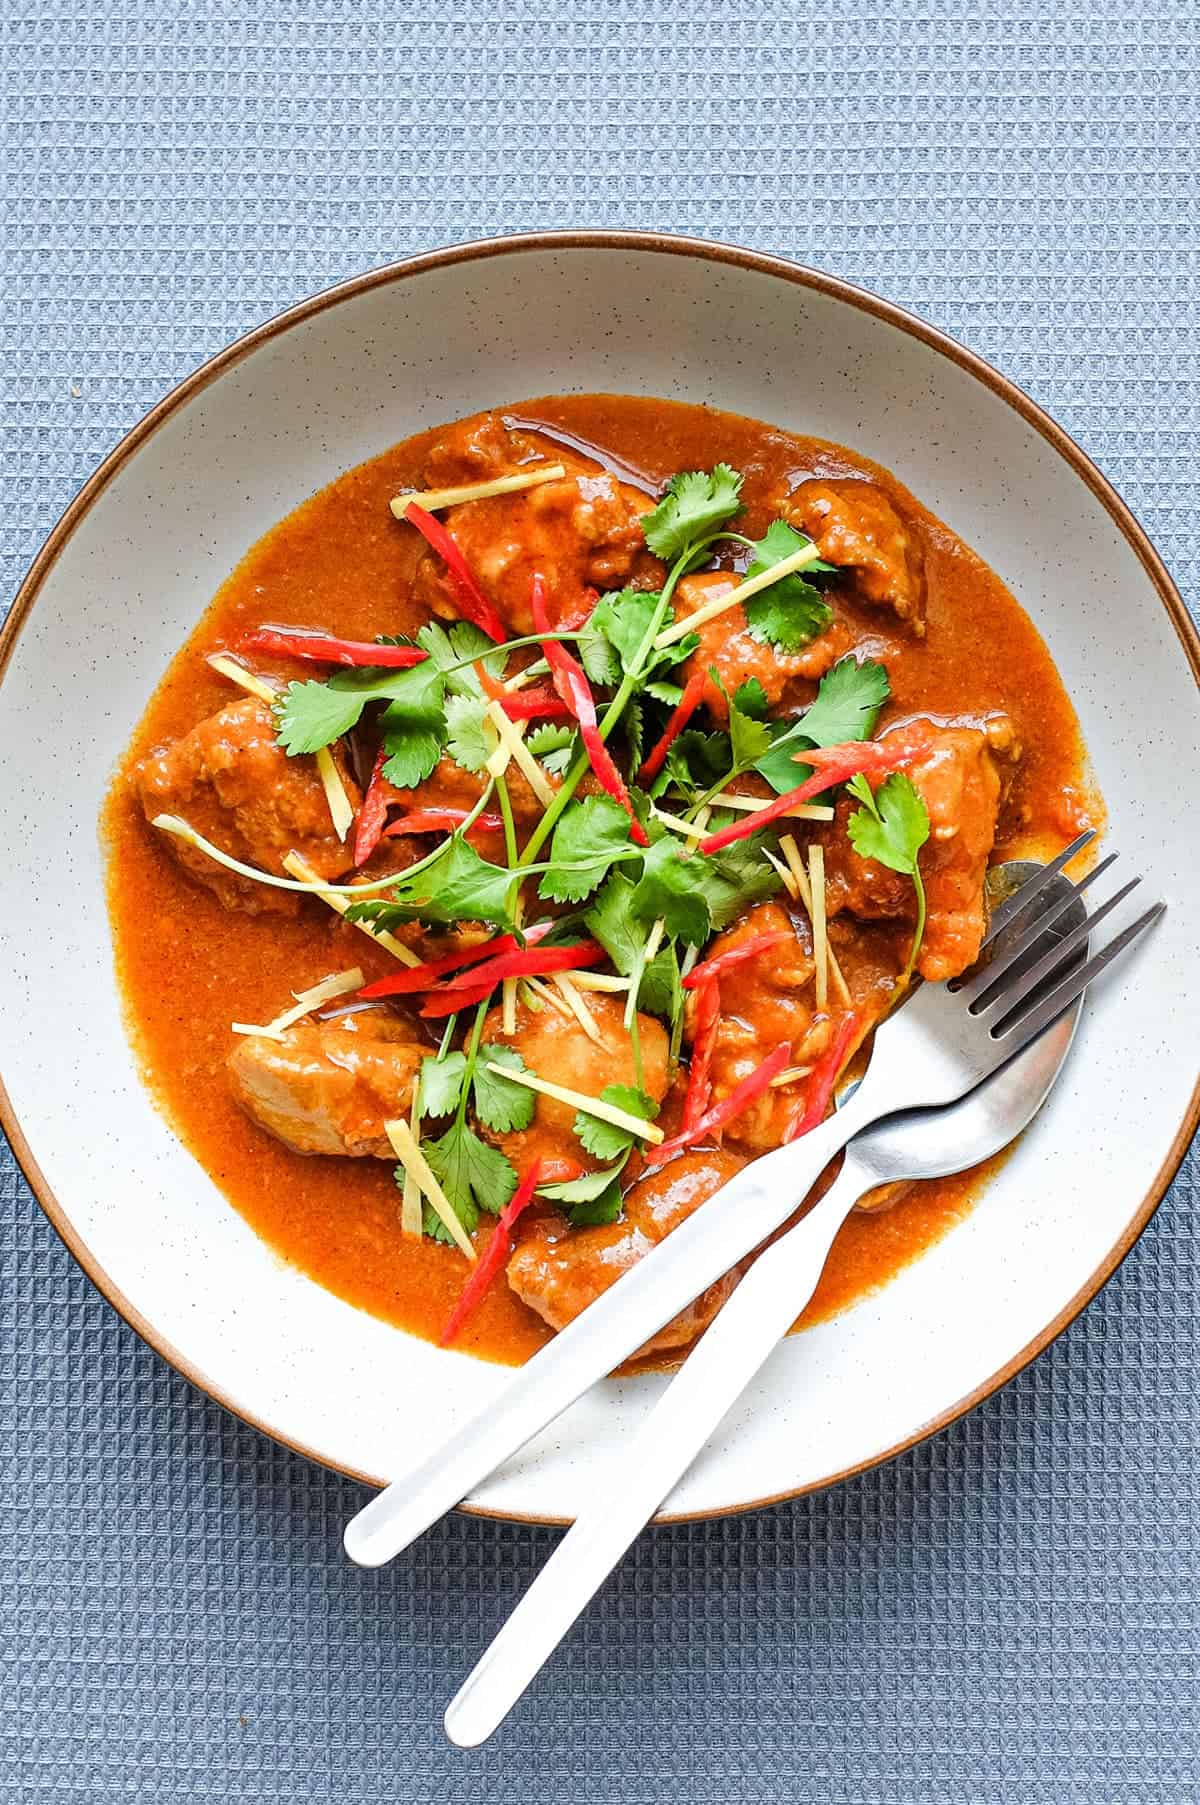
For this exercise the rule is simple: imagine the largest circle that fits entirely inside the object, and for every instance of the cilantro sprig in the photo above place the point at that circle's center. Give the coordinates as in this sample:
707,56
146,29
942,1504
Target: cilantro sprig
694,505
892,826
435,706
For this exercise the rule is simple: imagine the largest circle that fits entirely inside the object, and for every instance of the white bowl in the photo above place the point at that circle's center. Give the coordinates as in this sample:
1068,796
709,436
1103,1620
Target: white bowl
137,556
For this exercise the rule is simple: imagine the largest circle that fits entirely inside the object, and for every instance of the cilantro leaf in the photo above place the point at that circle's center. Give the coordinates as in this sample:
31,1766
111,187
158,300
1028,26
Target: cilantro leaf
468,743
893,824
847,703
696,895
441,1084
633,726
312,715
611,921
659,992
846,707
549,737
587,836
789,615
603,1140
432,1225
499,1103
695,504
738,877
463,639
751,698
672,885
474,1175
554,746
591,1199
455,886
791,612
696,761
600,661
414,725
623,618
749,739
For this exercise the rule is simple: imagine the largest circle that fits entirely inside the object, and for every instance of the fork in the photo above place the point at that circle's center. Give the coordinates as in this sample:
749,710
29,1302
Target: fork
939,1046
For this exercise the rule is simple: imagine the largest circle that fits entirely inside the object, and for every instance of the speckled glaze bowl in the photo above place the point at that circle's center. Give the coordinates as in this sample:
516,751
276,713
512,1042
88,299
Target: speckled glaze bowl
137,556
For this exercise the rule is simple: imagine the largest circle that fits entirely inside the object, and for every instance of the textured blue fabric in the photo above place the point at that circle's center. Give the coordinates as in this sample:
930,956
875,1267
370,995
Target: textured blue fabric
1009,1614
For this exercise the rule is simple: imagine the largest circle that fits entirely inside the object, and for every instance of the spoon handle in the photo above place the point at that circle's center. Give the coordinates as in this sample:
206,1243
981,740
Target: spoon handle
720,1366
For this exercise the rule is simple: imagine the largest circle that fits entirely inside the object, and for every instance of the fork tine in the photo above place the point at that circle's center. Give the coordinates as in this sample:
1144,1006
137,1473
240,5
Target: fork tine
1018,1032
1020,899
1016,988
989,975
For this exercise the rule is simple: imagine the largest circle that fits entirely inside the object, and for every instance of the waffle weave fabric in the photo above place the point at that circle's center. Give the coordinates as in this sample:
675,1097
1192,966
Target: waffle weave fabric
1007,1614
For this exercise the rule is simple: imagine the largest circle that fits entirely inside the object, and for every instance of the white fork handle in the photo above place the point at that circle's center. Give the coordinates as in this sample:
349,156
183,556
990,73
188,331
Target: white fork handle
720,1366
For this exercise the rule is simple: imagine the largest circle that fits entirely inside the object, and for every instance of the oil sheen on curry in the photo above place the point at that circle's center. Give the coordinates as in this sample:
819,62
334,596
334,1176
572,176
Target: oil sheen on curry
533,830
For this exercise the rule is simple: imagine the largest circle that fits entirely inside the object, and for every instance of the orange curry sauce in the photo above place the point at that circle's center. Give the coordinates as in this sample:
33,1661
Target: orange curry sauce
188,967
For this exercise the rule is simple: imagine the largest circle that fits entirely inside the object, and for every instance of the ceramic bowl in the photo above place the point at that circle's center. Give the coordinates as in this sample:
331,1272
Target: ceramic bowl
137,556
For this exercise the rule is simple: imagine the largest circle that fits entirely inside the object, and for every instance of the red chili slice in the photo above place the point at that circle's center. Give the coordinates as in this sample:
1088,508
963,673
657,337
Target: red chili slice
416,978
494,1257
326,648
572,685
684,709
535,704
372,812
449,1002
704,1039
713,1120
822,1081
737,955
441,821
472,602
531,962
837,764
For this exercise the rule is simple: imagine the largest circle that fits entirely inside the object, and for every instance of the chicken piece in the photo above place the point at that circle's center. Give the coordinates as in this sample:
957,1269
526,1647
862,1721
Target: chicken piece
232,782
557,1049
962,778
728,646
853,523
558,1270
764,1001
581,532
329,1087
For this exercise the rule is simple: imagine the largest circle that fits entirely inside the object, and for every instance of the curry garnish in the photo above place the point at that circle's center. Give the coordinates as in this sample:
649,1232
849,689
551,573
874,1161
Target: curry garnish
672,841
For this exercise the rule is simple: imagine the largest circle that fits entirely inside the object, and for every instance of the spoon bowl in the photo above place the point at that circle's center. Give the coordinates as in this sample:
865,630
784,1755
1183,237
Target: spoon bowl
935,1143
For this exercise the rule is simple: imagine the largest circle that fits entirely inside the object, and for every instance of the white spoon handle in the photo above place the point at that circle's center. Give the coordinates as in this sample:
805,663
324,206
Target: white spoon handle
743,1214
713,1377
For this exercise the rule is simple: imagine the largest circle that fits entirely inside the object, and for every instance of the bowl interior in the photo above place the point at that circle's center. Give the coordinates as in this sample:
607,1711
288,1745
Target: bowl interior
335,385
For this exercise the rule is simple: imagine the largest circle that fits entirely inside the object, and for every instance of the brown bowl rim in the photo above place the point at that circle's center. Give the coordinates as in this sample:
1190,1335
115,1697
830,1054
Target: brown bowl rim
713,251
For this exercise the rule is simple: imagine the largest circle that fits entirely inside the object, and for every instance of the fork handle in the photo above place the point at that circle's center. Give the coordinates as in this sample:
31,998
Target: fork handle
743,1214
722,1364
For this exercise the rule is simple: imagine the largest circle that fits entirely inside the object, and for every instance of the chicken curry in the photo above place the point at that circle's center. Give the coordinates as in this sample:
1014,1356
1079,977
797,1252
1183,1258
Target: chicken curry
535,827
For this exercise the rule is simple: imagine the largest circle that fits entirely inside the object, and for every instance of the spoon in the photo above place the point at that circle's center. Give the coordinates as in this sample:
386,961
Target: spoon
916,1144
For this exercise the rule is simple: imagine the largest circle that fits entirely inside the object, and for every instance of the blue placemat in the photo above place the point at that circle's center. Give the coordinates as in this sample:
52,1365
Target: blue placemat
1009,1614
